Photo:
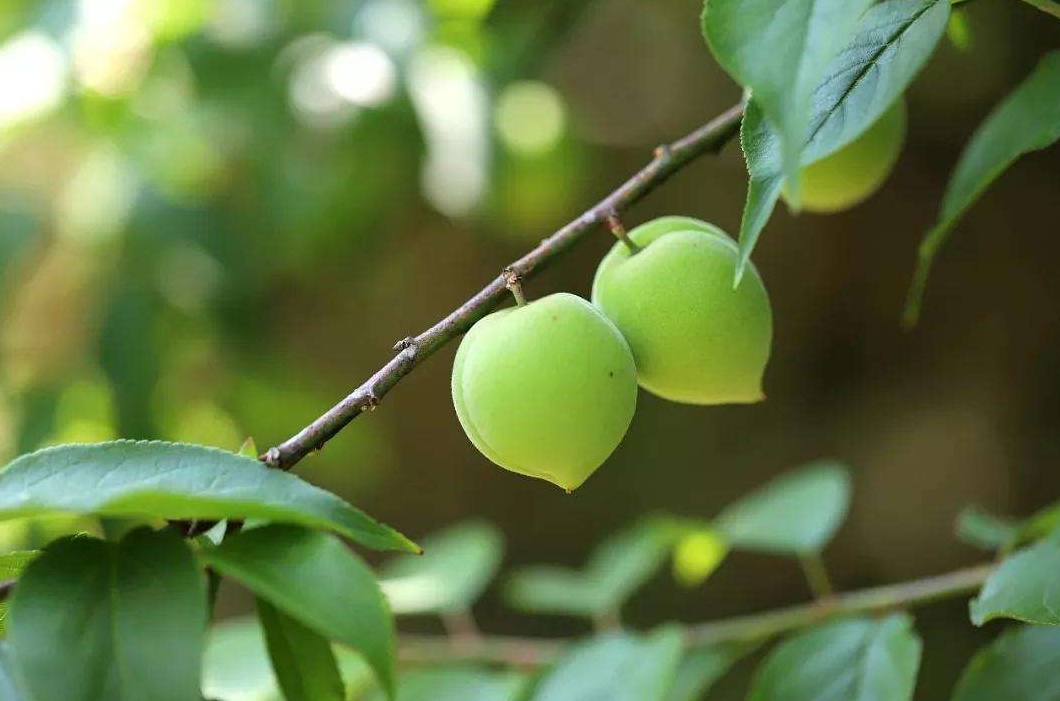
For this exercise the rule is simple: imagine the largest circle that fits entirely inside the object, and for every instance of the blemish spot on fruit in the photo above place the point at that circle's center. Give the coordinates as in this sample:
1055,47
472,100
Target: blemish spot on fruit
611,373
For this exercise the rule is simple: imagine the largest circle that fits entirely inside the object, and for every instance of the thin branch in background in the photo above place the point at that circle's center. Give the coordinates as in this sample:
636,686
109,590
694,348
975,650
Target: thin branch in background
532,652
709,138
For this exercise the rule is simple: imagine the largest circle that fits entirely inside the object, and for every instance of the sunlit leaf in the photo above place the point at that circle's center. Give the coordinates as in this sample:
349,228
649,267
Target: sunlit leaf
619,667
797,513
1019,666
861,658
780,50
1027,120
1025,587
314,578
176,481
456,567
124,621
893,42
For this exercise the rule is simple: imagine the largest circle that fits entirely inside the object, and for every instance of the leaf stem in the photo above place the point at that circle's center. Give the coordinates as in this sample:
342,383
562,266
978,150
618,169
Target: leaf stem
816,575
534,652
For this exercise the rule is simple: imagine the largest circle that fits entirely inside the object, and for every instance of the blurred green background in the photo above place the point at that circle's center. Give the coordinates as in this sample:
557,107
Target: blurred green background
216,217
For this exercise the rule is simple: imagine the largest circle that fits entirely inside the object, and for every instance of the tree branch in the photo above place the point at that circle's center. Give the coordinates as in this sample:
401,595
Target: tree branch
709,138
531,652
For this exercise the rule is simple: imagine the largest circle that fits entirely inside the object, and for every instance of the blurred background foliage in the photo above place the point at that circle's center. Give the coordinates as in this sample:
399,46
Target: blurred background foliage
216,216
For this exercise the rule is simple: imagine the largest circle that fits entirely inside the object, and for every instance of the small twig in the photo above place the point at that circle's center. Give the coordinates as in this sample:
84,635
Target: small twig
816,575
668,160
530,652
515,286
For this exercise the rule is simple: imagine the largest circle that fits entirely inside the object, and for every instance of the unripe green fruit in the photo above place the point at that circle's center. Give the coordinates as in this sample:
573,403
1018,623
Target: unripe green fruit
856,171
695,339
547,389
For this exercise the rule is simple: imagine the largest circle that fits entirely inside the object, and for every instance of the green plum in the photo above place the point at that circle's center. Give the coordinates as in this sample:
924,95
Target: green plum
547,389
695,339
853,173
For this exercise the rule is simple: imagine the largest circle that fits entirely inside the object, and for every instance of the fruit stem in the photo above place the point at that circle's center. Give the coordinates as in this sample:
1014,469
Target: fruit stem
615,225
515,286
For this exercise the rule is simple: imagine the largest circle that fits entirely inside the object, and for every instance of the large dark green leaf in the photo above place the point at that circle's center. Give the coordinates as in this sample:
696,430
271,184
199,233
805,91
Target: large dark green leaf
619,667
616,569
456,567
1019,666
124,621
861,658
177,481
1027,120
893,42
1025,587
302,659
780,50
314,578
797,513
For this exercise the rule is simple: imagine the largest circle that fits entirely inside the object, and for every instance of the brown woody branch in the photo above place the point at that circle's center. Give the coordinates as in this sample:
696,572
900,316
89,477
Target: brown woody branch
412,351
534,652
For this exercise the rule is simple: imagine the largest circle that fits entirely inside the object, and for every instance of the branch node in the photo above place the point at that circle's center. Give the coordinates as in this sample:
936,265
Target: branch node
514,282
663,152
371,402
271,457
405,343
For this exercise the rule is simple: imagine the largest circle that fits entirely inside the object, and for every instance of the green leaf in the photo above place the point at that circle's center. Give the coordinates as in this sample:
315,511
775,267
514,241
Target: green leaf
797,513
1019,666
303,660
986,531
456,567
1049,7
11,566
461,684
314,578
893,42
780,49
1025,587
861,658
237,666
10,686
618,567
618,667
176,481
94,620
1027,120
700,668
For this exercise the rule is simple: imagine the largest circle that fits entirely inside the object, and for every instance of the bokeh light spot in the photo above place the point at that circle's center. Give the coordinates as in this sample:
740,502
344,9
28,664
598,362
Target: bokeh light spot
530,118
